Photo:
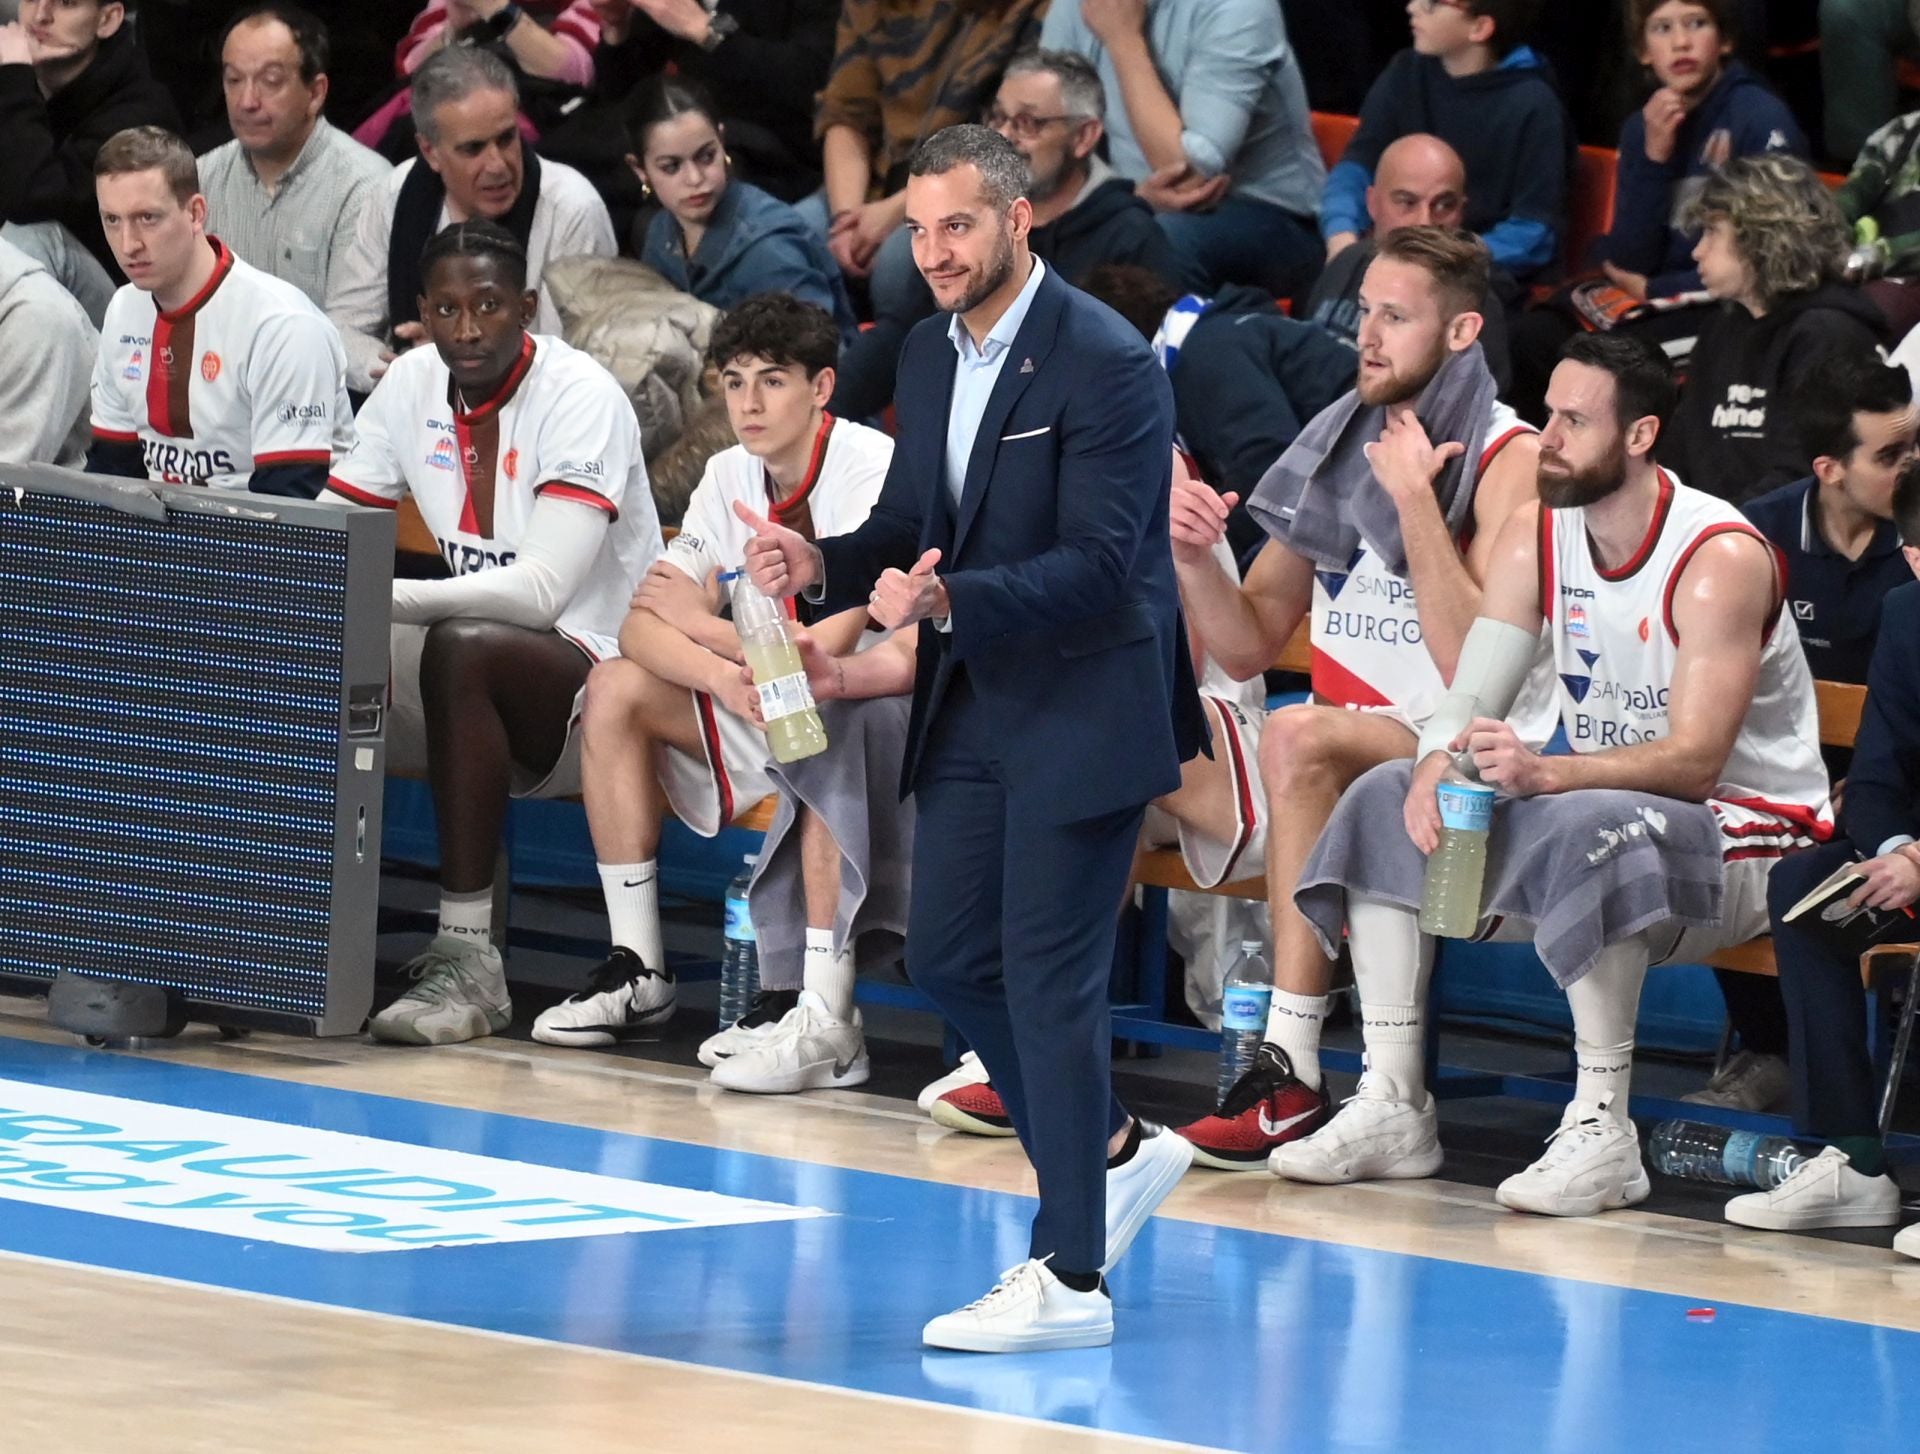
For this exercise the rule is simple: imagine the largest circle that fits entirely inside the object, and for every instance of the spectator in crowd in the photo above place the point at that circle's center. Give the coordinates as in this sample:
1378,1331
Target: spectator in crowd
1471,81
669,720
472,164
1849,1184
1419,182
902,70
47,351
715,236
1881,196
1836,536
524,458
1211,122
764,62
71,76
1860,43
287,192
1772,250
1706,110
210,372
1689,800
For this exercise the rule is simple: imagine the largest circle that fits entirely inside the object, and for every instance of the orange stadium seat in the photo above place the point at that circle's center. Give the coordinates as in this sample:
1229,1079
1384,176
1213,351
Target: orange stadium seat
1333,132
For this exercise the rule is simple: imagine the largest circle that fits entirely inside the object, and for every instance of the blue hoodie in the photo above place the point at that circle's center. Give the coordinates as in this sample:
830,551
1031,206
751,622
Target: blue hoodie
754,243
1650,198
1511,131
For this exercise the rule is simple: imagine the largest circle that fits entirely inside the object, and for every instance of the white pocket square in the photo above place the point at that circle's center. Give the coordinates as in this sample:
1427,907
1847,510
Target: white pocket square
1030,434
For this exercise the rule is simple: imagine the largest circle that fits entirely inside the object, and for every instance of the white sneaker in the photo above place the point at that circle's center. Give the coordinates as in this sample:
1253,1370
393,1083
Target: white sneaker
623,999
1372,1137
968,1072
1134,1190
769,1007
1592,1165
1907,1244
1028,1311
1825,1192
459,993
1748,1082
808,1050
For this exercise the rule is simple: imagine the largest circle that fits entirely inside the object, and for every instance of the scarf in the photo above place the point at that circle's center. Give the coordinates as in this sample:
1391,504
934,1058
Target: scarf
1320,498
416,217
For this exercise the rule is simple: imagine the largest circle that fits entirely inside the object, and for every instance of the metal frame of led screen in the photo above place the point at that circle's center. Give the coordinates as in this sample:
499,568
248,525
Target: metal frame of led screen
192,744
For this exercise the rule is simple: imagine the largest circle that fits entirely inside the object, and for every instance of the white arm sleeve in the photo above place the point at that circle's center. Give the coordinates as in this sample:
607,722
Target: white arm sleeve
1494,661
562,542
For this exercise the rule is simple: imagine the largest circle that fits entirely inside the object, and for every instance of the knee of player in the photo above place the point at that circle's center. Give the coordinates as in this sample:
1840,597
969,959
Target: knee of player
617,690
1297,742
460,644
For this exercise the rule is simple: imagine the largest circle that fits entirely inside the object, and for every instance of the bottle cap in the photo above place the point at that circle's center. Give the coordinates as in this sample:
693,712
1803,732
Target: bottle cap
751,859
1252,946
728,575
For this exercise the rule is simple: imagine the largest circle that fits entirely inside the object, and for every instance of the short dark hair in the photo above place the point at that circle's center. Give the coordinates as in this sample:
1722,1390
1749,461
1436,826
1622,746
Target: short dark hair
308,30
1457,261
1003,171
1725,13
1643,385
1513,21
150,149
661,99
1850,383
476,238
779,328
1906,504
1137,294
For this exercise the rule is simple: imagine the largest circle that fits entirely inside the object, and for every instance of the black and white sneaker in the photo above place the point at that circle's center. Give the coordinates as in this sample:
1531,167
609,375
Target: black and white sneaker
623,999
770,1007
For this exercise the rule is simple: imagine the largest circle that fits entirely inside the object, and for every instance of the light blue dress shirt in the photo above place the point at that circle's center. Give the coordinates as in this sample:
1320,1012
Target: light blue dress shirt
974,378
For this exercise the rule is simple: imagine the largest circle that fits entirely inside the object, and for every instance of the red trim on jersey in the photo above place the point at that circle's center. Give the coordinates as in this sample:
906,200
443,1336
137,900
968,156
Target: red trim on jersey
1336,685
1737,855
1724,527
1800,817
501,395
115,436
716,757
798,499
579,494
1243,790
1487,454
360,496
222,265
1661,507
294,456
1546,565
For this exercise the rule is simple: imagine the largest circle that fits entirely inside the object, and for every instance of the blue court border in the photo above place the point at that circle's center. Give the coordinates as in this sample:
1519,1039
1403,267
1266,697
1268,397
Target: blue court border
1227,1338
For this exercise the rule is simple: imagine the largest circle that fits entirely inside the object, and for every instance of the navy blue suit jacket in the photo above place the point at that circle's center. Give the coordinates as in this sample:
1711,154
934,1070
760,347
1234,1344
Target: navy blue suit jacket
1066,615
1883,785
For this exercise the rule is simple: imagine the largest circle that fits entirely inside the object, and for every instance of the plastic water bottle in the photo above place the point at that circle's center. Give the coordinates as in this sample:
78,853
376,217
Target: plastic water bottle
1456,870
740,960
793,722
1244,999
1700,1152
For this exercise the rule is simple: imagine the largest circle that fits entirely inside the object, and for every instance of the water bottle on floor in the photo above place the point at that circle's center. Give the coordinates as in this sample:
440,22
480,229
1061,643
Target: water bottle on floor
1450,895
1244,998
740,959
1701,1152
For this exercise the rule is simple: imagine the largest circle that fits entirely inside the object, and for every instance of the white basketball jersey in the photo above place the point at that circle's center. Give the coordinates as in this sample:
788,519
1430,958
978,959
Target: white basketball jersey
1615,647
1368,649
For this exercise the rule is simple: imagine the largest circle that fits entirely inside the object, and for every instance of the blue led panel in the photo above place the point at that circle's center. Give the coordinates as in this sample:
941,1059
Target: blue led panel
185,798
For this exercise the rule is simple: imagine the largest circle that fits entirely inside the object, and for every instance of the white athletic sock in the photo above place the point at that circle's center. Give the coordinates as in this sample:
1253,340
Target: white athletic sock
633,909
467,916
1293,1024
1605,1002
1394,1043
829,975
1393,961
1604,1076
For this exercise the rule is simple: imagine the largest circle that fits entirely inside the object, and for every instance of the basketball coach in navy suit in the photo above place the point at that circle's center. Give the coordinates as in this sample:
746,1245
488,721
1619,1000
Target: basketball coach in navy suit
1025,519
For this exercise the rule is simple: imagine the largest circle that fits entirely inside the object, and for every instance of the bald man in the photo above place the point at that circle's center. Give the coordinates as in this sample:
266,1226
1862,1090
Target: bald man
1420,182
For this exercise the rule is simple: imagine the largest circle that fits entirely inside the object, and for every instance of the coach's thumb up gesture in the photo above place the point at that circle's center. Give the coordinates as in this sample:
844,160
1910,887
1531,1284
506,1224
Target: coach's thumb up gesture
781,562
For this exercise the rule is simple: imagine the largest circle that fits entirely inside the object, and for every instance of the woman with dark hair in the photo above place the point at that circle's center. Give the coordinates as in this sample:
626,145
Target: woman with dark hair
716,237
1772,251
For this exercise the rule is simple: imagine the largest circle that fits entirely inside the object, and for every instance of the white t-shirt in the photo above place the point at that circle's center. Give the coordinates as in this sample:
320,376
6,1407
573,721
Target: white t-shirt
247,375
559,425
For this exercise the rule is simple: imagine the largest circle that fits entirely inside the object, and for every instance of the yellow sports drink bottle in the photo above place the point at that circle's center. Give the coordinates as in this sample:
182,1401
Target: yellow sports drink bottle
793,722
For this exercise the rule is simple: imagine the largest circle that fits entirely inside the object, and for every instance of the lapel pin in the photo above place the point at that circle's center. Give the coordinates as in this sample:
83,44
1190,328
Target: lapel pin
1026,366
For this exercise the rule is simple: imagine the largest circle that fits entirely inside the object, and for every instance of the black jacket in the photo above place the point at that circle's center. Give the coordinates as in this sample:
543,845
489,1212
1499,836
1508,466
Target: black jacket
1733,434
1108,225
1883,785
763,77
47,144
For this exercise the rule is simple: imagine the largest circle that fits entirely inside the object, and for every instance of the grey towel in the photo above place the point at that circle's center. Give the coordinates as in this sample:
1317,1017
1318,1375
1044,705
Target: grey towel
852,786
1320,499
1588,869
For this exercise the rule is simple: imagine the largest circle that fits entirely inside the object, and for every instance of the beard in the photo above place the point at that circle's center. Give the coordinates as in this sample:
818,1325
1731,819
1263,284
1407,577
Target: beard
982,285
1397,388
1574,489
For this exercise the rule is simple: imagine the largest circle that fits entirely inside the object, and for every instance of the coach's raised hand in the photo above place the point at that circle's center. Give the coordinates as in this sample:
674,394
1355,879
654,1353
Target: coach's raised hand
781,562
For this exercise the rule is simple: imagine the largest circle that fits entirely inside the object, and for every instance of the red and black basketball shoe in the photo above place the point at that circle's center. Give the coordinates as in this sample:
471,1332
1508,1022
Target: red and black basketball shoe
1267,1107
976,1109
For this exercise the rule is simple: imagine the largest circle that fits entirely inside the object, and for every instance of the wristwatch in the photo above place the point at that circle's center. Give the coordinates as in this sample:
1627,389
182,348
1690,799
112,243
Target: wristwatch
504,19
719,27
